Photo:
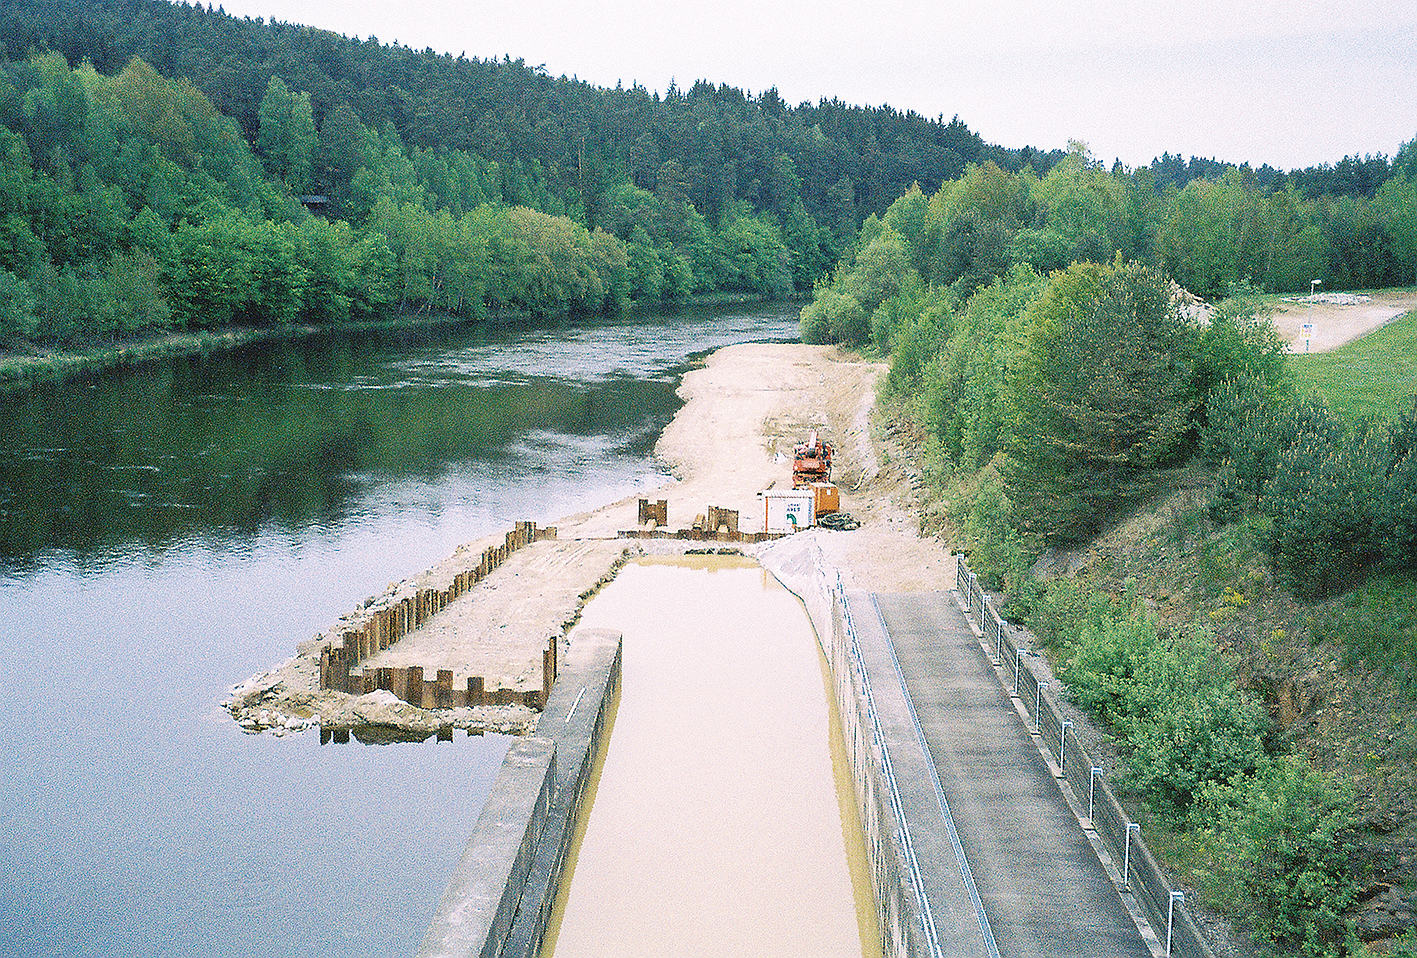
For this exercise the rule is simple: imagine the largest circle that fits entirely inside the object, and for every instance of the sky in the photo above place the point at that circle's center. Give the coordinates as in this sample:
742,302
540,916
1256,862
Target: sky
1289,83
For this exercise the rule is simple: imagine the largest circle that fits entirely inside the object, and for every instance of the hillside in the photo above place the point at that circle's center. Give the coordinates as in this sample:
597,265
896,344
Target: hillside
1348,714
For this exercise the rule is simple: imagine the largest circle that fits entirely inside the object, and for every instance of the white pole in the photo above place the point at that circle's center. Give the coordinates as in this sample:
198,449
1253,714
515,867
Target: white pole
1171,917
1127,855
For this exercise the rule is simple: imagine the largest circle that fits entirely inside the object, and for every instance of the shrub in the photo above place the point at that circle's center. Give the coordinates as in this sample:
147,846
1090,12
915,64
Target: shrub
1188,724
1324,502
835,317
1283,841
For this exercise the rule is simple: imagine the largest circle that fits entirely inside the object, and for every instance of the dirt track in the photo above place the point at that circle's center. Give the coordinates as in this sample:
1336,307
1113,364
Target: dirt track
1334,325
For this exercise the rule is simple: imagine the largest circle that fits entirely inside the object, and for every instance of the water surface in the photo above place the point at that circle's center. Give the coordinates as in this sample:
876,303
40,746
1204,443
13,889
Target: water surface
168,530
722,820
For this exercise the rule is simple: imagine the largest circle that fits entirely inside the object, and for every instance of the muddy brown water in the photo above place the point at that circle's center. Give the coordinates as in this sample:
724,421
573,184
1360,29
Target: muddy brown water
721,818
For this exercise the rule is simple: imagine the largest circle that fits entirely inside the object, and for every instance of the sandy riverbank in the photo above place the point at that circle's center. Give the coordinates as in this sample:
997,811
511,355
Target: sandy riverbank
744,410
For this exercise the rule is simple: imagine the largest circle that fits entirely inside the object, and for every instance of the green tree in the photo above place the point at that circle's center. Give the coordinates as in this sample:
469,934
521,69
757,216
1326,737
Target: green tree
1396,202
286,138
1103,392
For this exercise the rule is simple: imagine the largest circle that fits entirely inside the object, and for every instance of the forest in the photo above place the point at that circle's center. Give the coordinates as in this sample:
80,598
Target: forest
170,167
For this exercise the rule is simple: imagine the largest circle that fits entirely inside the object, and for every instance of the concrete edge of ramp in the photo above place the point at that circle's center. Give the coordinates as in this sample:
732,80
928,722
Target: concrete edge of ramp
478,916
481,899
924,899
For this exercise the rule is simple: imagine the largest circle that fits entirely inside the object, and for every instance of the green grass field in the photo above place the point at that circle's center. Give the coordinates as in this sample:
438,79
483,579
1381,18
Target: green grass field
1372,376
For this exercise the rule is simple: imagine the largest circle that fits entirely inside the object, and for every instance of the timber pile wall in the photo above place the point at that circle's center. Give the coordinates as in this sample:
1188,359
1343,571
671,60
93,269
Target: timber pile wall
387,626
716,525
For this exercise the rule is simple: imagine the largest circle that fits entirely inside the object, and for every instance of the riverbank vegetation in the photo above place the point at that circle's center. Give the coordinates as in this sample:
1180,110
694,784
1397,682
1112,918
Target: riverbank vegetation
1218,564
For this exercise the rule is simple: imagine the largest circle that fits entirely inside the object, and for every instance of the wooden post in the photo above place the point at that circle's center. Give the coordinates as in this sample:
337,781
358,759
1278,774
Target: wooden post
475,691
656,512
443,690
548,673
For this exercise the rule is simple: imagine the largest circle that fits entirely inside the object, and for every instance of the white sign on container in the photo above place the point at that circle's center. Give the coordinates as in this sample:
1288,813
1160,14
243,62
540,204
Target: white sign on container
787,510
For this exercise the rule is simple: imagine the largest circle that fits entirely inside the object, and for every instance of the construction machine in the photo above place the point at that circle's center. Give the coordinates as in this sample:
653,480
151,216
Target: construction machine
811,462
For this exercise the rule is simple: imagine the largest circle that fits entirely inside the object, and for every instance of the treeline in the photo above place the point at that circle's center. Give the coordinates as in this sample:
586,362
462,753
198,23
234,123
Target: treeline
130,205
1075,382
1208,235
851,161
554,144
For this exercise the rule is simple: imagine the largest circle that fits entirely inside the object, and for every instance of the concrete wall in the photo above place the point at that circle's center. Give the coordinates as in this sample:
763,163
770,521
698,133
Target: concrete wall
480,904
500,898
923,903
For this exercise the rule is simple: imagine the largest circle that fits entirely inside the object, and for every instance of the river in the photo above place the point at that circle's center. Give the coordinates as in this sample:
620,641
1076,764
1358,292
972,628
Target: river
167,530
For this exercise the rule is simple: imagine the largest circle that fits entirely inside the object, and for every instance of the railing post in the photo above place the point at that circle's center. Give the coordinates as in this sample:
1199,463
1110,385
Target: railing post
1062,741
1171,917
1127,855
1018,665
999,636
1092,778
1038,705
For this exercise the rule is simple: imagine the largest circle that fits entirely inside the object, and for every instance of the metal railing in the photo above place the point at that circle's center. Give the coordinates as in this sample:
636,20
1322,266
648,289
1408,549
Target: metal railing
876,783
1164,907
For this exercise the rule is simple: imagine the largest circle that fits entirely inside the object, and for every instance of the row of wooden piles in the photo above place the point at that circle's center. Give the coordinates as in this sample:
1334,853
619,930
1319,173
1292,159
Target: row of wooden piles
383,628
715,525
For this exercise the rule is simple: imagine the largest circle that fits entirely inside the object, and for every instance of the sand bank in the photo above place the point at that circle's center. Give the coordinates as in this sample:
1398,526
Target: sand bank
744,410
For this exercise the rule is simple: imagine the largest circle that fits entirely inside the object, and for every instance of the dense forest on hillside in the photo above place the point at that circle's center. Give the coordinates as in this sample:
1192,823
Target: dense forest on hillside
571,140
156,155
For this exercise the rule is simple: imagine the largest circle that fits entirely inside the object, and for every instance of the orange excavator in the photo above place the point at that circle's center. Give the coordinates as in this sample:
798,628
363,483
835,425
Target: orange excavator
811,462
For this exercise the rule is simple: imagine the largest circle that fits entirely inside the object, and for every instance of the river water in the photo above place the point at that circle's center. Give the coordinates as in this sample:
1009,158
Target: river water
168,530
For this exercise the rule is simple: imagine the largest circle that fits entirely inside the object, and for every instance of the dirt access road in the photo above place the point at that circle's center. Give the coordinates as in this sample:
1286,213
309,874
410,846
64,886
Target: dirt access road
1336,319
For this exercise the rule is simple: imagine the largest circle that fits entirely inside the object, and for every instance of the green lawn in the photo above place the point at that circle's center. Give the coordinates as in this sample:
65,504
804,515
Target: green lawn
1372,376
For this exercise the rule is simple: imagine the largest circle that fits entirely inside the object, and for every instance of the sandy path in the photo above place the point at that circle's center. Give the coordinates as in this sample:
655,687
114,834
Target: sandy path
744,411
1334,325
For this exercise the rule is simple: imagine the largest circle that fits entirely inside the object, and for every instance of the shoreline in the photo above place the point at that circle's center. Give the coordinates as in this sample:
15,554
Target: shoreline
744,410
37,365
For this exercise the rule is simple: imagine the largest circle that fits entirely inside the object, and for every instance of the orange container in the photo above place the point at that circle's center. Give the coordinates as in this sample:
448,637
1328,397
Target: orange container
827,497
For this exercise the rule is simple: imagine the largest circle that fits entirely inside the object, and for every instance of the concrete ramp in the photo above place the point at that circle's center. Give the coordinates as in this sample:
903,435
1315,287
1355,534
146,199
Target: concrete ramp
1041,885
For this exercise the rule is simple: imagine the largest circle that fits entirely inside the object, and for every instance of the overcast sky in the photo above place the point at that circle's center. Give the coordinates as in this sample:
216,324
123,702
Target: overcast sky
1291,83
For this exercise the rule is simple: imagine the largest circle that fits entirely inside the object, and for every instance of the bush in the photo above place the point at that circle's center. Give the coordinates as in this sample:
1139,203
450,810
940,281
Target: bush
1283,840
1188,724
1324,502
999,554
835,317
